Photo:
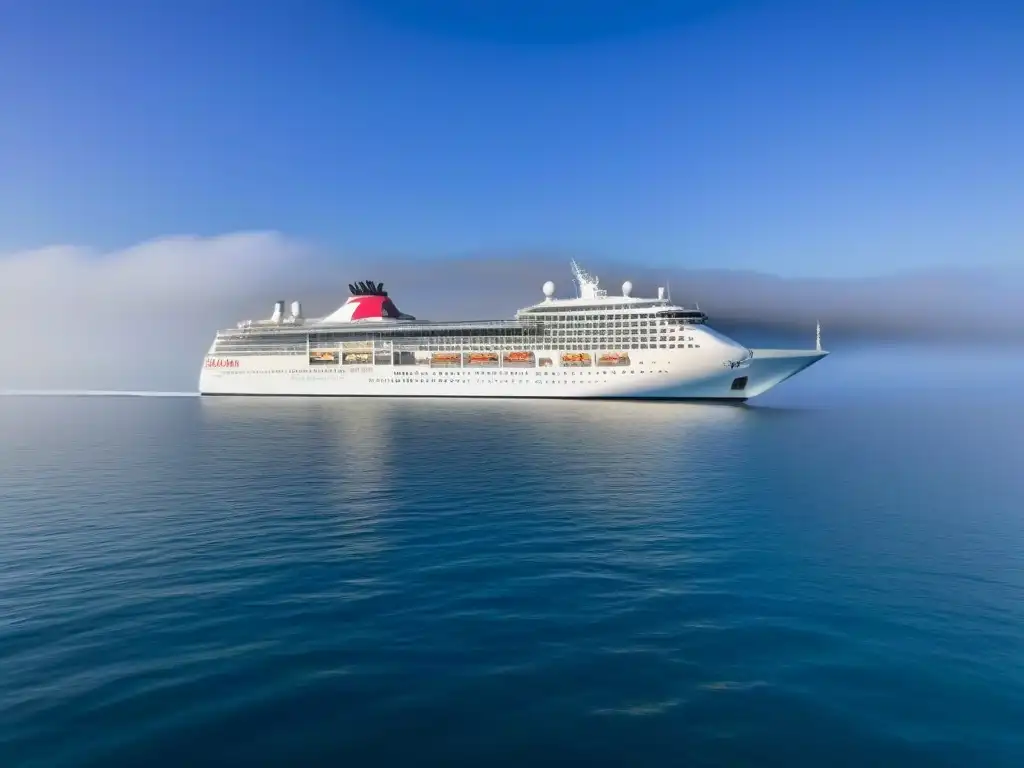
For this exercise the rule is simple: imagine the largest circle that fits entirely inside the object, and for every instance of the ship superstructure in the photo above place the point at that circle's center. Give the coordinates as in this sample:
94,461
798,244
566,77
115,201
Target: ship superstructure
589,346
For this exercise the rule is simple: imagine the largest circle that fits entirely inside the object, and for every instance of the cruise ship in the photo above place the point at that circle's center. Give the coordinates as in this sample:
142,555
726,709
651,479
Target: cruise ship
592,345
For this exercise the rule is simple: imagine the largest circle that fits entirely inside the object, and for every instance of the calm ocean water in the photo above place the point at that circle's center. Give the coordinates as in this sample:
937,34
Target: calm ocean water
833,575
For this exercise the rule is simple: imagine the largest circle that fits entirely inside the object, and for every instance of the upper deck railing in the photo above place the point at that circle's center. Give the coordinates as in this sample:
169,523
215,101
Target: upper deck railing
357,327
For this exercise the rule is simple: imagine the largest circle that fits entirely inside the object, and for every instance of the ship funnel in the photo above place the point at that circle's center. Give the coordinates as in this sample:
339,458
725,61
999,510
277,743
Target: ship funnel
296,310
661,293
278,312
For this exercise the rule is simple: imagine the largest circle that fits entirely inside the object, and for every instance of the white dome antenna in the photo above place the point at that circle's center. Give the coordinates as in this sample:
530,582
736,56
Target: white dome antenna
549,289
627,288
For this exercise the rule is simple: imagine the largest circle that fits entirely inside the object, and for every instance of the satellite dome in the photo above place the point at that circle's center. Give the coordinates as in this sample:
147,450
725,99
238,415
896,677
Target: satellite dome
549,289
627,288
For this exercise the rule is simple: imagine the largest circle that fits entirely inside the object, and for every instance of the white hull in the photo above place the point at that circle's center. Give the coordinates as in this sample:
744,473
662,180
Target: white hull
677,375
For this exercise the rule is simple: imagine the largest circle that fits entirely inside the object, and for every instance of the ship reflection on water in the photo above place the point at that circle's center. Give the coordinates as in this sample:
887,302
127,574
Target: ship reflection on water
559,456
432,480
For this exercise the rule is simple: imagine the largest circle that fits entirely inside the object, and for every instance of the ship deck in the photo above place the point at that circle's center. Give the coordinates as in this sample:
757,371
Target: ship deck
378,326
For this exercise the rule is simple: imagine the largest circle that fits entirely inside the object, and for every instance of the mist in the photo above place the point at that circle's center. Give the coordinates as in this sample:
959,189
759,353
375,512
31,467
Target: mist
142,318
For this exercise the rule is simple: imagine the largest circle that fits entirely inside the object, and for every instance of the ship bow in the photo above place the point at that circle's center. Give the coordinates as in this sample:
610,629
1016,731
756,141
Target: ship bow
770,367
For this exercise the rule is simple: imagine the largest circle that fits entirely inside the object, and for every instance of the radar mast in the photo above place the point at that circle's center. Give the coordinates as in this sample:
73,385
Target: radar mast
586,283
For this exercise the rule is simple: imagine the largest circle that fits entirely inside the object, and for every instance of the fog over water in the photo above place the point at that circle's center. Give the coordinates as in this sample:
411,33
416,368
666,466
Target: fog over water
142,317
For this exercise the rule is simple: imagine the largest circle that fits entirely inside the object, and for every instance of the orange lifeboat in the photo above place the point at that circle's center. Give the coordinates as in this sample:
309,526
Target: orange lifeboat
613,358
576,358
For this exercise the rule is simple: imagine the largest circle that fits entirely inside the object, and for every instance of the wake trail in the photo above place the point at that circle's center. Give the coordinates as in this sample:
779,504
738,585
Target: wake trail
91,393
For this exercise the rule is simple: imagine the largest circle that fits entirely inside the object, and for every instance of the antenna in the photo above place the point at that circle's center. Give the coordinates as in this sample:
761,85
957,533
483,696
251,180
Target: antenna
817,337
586,283
581,277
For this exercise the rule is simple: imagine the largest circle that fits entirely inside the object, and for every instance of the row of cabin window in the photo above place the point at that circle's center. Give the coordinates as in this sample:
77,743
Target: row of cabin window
566,317
444,348
448,376
641,329
610,323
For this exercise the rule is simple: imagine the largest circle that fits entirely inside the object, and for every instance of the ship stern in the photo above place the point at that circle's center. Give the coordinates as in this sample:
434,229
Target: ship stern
207,368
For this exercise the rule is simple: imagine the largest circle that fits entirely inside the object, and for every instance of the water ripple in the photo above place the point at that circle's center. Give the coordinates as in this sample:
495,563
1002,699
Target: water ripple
195,582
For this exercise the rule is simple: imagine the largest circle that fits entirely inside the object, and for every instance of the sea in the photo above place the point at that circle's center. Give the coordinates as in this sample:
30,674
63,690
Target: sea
832,574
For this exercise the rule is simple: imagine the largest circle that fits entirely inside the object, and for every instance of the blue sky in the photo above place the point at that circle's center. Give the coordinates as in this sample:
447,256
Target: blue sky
796,137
